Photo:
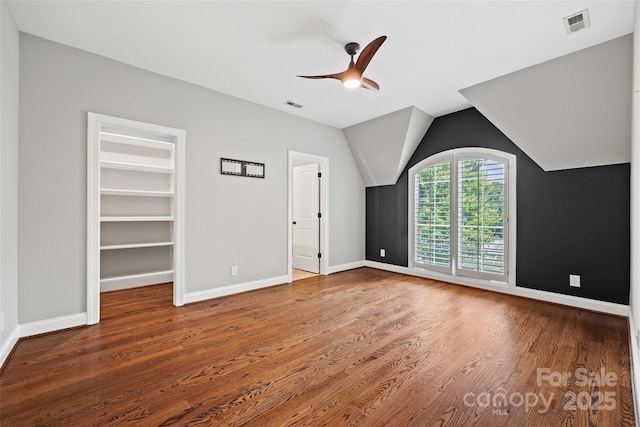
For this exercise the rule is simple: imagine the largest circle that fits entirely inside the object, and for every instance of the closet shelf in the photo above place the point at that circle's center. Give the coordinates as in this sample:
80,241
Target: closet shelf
136,205
135,246
134,276
135,218
140,193
135,167
133,140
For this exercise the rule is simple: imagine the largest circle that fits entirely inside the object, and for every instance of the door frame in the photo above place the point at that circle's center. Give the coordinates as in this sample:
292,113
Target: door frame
323,163
94,123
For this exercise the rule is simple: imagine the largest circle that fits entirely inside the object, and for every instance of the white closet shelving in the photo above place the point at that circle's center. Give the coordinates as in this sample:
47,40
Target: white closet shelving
137,210
135,207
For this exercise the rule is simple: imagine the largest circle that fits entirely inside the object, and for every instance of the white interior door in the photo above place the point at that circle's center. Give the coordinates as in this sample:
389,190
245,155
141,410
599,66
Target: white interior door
306,223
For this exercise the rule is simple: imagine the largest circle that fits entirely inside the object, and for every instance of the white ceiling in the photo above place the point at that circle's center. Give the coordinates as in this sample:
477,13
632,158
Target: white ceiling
254,49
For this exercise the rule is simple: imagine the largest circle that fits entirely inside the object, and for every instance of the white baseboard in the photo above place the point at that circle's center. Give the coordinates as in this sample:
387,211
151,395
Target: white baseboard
569,300
233,289
40,327
8,345
135,281
634,351
344,267
50,325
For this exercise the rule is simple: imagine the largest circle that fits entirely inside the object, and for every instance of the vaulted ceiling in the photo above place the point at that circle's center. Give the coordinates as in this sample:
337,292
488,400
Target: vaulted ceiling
254,49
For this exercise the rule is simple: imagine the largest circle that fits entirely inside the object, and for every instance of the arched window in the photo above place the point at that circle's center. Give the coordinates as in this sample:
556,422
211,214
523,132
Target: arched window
462,214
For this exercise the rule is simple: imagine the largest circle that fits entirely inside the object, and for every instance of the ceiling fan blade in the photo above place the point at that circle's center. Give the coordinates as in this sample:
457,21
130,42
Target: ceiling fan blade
369,84
326,76
368,52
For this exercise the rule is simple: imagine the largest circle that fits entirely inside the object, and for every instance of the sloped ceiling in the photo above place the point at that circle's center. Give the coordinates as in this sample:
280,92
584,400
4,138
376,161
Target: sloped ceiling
383,146
570,112
254,49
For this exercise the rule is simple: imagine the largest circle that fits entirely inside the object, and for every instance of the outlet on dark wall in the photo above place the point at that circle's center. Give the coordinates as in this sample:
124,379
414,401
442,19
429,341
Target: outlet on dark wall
574,221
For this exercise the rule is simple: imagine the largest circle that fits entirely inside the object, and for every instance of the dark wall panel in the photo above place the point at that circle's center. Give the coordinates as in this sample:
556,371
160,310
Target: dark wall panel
569,222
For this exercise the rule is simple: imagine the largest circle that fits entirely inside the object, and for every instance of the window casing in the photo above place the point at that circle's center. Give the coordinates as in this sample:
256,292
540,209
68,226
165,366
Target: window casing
462,214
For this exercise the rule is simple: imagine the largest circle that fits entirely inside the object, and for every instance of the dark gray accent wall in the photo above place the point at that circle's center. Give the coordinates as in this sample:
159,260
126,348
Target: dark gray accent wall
574,221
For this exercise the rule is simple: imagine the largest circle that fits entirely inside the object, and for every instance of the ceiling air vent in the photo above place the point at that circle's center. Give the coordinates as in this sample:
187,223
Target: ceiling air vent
577,21
293,104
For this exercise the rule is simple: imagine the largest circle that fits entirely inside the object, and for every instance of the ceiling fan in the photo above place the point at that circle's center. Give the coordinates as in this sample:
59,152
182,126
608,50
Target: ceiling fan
352,77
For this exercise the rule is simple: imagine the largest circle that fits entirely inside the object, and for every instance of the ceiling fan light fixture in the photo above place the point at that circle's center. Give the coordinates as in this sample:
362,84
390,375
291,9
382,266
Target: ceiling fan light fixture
353,77
352,83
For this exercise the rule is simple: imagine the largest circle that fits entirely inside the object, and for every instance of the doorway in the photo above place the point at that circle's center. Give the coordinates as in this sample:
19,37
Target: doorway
307,215
135,207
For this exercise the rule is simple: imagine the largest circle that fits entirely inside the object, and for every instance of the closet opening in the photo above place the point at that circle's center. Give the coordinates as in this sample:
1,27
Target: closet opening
135,206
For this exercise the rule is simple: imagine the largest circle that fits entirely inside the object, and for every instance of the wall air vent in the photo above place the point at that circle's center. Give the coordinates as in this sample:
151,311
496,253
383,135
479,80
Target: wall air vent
577,21
293,104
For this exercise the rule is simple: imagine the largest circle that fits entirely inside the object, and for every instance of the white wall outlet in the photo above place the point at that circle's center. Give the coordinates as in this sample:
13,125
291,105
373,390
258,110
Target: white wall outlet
2,321
383,253
574,280
234,270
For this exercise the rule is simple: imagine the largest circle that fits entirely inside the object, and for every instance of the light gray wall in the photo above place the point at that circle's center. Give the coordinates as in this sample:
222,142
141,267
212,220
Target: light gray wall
9,53
229,220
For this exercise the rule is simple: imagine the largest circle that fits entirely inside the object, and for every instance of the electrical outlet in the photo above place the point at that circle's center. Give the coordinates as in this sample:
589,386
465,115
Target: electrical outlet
234,270
2,321
574,280
383,253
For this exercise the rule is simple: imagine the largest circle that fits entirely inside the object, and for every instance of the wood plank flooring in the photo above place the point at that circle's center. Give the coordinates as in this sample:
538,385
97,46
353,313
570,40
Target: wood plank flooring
301,274
359,348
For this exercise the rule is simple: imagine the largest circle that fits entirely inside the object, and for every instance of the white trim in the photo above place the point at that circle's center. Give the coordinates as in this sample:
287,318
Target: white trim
93,218
324,208
51,325
9,344
179,190
94,123
345,267
634,351
134,281
233,289
568,300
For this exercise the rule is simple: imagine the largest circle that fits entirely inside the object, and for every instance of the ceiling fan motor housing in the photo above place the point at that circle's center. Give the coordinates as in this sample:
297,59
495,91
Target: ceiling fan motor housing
352,48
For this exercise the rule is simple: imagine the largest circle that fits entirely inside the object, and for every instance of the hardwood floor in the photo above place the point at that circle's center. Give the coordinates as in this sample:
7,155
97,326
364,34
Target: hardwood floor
363,347
301,274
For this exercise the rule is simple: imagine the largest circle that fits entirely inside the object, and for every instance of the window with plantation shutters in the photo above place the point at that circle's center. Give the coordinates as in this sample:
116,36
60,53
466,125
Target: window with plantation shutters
461,203
481,216
432,213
